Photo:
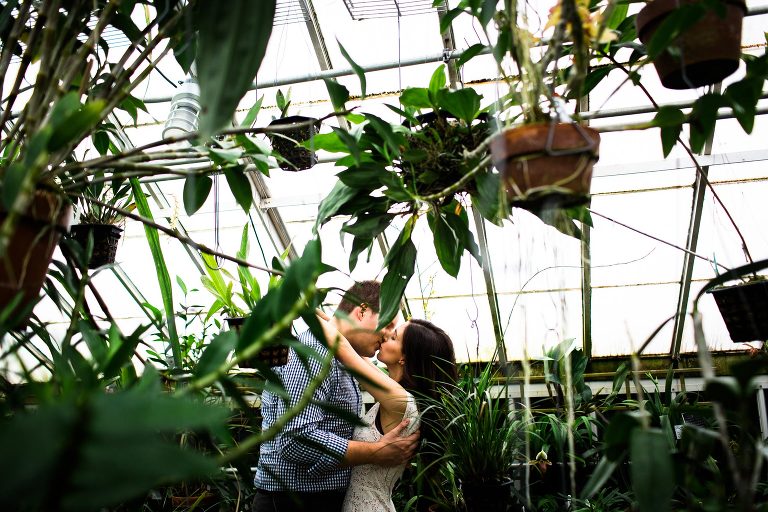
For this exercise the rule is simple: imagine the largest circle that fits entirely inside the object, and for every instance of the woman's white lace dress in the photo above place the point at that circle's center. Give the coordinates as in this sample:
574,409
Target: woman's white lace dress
370,489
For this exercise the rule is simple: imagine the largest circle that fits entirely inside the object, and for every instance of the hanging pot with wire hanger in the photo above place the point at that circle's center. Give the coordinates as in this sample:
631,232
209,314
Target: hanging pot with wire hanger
546,164
286,141
708,47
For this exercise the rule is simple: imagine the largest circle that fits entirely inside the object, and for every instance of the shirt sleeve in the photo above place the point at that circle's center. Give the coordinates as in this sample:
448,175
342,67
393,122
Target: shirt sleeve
303,441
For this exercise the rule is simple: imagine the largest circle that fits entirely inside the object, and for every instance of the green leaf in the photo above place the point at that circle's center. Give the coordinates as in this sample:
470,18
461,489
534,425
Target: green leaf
101,141
417,97
71,128
339,195
464,103
359,71
363,176
653,477
216,353
670,120
436,83
677,22
743,97
338,93
329,142
669,136
599,477
469,53
448,17
240,186
163,276
400,262
196,190
446,243
252,114
232,40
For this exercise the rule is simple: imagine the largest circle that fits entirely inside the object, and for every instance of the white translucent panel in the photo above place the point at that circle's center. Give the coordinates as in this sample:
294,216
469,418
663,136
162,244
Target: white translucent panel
718,238
624,317
533,322
467,321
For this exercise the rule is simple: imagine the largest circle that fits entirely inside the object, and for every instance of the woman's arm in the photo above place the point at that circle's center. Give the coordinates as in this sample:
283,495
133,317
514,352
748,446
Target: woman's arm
391,395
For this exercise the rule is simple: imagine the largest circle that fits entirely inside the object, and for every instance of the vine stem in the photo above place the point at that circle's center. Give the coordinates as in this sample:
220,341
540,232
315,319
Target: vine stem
256,345
175,234
688,150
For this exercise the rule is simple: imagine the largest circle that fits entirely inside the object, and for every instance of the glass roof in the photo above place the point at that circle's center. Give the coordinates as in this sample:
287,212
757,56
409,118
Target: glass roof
642,201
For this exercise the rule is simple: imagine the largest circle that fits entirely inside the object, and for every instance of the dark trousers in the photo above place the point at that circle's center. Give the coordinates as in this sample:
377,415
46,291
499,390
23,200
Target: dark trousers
280,501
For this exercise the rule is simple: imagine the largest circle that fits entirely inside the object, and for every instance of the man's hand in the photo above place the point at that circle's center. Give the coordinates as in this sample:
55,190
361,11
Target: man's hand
393,449
390,450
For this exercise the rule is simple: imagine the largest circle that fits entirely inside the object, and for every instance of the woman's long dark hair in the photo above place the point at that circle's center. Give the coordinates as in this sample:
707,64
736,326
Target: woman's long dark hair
429,370
430,362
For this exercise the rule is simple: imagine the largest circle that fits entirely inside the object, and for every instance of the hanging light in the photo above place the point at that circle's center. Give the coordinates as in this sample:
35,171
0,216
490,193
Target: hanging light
185,109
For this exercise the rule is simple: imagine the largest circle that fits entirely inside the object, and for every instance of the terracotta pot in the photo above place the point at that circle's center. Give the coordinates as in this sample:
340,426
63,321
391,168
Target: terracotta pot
275,355
544,164
298,158
744,308
105,239
707,52
24,266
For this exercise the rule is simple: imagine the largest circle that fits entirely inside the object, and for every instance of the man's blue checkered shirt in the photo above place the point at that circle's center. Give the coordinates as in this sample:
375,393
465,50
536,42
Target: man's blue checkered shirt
287,463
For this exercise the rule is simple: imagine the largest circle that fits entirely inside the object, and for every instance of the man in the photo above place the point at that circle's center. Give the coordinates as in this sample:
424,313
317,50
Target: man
308,465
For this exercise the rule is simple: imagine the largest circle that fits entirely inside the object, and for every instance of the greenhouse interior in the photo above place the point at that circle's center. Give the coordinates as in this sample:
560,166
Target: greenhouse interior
504,256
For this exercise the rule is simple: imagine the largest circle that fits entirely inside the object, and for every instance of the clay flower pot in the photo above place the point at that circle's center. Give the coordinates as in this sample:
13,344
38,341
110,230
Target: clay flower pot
25,264
299,129
705,53
544,164
105,239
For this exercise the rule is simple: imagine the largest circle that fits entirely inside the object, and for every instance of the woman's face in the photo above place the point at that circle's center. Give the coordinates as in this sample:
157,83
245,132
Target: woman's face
391,351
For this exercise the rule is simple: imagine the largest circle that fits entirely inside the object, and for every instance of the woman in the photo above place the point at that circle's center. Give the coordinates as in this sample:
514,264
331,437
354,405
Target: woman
419,358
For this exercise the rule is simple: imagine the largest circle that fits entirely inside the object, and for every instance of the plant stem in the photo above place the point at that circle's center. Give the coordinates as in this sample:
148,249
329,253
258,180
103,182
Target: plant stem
256,345
175,234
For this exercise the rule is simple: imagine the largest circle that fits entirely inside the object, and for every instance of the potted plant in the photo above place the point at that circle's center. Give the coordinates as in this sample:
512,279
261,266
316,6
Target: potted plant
102,220
288,133
236,306
692,43
743,307
480,439
545,157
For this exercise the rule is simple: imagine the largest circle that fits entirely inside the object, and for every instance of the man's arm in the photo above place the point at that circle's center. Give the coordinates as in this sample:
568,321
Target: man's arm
390,450
302,441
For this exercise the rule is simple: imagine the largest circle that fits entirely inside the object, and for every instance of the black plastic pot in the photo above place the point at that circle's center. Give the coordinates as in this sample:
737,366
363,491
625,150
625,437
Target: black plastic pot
744,307
105,239
489,497
297,129
275,355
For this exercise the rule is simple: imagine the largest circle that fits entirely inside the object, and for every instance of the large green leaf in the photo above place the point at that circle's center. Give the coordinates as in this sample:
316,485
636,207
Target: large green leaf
232,39
196,190
163,276
653,476
400,262
359,71
447,245
240,186
339,195
464,103
338,93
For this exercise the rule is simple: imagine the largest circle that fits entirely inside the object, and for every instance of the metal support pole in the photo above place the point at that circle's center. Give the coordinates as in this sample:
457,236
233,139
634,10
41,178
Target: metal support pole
699,191
490,290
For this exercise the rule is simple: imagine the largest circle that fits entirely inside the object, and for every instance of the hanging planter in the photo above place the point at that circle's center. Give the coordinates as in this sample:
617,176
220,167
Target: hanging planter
105,239
542,164
25,264
744,308
276,355
704,53
297,129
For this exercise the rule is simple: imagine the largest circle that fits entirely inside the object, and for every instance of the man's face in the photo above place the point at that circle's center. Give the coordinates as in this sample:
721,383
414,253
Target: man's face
363,335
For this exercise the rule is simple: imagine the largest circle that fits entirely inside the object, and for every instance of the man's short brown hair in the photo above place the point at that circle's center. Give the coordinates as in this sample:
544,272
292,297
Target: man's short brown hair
363,293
